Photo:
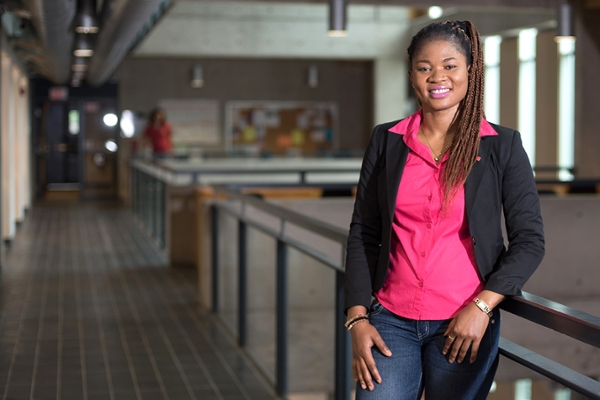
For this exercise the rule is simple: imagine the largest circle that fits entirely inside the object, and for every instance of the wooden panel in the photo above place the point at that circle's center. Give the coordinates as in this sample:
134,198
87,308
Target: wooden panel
509,82
546,103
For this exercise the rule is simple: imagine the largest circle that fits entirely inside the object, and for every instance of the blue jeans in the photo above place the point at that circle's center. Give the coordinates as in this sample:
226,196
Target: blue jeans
417,362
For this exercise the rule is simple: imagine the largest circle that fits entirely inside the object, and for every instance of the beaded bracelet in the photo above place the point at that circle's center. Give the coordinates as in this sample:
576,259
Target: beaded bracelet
354,319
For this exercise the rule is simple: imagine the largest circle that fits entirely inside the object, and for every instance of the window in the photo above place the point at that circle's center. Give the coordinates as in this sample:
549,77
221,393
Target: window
566,108
491,99
527,87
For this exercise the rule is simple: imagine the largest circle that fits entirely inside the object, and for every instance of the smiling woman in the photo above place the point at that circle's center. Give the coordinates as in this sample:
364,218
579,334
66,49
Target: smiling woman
426,237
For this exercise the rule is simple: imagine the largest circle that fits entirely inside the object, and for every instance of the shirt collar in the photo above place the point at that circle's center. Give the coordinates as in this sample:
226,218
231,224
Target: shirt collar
411,125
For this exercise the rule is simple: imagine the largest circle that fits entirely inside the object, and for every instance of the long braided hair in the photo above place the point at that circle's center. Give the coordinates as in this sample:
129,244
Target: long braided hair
467,122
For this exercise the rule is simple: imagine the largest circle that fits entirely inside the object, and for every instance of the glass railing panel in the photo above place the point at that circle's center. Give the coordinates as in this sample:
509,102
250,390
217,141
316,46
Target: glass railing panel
261,300
311,325
228,270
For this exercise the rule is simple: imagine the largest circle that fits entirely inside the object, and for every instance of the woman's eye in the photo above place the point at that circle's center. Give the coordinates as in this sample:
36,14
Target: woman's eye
450,66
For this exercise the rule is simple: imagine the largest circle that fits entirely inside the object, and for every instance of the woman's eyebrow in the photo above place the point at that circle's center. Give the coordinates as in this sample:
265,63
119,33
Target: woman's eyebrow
444,60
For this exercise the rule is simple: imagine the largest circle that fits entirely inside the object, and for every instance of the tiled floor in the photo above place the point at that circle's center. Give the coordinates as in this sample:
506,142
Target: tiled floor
90,310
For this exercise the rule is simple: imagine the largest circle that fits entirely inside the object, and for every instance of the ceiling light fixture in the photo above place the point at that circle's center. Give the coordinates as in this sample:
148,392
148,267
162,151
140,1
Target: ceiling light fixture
337,18
435,12
83,48
565,29
313,76
86,21
197,80
79,67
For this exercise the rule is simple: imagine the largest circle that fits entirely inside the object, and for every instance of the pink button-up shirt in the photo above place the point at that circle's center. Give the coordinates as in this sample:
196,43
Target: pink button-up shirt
432,273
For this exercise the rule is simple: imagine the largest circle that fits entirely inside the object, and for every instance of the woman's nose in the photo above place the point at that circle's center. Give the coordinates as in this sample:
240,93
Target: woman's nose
437,75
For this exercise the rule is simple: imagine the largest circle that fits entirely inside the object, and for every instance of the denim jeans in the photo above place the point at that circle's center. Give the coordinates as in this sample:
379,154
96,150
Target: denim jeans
417,362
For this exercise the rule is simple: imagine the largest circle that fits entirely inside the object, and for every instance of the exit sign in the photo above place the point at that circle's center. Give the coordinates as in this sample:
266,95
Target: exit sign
58,93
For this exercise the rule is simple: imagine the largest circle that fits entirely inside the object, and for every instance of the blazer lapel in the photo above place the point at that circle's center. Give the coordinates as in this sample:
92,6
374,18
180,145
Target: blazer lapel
396,154
474,178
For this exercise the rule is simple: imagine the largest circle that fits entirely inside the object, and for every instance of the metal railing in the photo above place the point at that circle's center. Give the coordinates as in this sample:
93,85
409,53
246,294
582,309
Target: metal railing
571,322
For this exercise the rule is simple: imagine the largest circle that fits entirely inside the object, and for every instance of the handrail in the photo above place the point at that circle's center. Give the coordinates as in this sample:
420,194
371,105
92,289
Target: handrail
553,315
312,224
566,320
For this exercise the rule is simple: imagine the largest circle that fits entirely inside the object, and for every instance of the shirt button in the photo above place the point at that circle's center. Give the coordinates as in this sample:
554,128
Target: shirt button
420,284
423,254
428,226
429,197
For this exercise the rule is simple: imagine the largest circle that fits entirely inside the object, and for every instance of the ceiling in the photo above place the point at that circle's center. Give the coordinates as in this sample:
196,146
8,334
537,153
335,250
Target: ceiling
41,35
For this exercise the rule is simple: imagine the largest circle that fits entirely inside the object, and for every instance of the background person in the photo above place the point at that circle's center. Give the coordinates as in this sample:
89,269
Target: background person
426,239
158,133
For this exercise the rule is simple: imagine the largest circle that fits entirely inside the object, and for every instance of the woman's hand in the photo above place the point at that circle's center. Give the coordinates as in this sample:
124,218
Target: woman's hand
364,337
467,329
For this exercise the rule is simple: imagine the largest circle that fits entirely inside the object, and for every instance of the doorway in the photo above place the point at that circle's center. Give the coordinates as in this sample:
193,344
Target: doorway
77,149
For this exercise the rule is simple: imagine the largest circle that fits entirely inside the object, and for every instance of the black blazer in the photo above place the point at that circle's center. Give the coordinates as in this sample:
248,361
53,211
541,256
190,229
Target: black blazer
501,181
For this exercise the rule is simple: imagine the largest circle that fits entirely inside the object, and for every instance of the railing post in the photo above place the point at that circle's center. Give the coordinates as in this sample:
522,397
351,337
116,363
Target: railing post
214,220
281,303
161,214
343,350
132,191
242,283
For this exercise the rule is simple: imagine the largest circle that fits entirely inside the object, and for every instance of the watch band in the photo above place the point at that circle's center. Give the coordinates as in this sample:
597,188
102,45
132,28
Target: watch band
482,305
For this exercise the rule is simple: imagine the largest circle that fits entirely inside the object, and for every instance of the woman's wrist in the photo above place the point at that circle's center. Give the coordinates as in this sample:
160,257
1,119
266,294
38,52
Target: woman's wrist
355,311
488,300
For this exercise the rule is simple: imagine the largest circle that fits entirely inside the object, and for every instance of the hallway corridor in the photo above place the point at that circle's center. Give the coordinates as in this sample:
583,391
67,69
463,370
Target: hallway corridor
90,310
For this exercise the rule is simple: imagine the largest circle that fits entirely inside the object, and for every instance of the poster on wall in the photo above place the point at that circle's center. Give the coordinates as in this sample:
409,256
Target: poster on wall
194,122
291,128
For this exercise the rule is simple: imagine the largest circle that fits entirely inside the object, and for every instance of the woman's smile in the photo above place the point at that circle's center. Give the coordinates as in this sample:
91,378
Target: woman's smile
439,92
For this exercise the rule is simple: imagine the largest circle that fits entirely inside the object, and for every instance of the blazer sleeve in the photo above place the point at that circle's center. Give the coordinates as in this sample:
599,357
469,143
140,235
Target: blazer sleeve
364,238
524,227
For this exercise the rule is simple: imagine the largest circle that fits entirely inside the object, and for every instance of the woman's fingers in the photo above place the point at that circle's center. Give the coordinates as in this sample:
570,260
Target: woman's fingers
364,338
474,350
381,345
449,340
366,376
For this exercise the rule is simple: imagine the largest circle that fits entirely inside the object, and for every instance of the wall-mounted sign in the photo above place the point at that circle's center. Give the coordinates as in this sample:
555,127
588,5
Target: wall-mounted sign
58,93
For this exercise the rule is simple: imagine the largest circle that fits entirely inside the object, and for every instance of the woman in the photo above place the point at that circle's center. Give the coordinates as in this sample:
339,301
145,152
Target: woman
158,132
426,239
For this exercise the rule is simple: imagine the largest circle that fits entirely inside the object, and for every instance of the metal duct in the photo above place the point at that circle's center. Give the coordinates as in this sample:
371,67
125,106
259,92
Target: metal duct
52,21
120,23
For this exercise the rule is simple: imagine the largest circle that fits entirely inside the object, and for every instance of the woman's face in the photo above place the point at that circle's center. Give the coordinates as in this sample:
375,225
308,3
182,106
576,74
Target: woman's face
440,76
159,118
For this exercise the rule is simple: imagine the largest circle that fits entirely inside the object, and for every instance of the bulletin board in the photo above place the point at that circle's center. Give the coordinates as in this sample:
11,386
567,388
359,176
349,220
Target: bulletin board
282,127
194,121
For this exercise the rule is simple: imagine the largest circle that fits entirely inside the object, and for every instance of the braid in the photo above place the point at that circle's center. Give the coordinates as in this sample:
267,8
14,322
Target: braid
467,122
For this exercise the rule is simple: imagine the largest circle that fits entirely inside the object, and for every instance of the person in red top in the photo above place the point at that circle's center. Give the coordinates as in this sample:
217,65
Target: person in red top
158,132
426,238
